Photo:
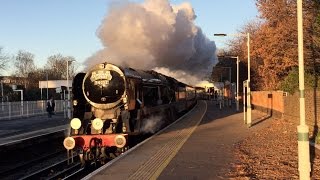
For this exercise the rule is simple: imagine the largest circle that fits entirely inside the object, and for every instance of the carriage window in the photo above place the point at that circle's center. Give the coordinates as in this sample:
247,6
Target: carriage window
182,93
190,93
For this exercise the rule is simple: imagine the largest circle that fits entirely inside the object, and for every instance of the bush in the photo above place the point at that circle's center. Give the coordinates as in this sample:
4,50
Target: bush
291,82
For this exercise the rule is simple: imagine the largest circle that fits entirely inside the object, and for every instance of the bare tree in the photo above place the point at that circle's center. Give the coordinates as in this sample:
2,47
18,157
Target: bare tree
24,63
4,59
57,66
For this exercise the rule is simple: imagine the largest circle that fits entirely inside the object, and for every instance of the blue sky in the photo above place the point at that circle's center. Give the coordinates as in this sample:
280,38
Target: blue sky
48,27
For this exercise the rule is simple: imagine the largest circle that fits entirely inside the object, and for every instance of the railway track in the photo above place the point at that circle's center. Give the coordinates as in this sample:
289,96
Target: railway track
22,157
59,170
53,168
48,160
27,164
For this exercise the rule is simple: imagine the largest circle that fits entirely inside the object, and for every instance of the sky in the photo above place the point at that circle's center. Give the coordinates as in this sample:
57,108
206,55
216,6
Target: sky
68,27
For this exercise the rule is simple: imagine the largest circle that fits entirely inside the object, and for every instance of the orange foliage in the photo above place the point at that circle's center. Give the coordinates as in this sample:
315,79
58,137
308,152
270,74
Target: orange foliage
274,41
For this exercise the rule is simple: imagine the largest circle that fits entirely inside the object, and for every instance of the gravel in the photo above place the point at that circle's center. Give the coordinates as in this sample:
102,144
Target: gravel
271,154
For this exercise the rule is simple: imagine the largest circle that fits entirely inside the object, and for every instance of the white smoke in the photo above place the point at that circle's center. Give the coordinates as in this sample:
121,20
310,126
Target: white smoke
155,35
152,124
179,75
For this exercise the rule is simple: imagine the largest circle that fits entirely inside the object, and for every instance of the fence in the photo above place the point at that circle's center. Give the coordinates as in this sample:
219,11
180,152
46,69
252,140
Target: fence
10,110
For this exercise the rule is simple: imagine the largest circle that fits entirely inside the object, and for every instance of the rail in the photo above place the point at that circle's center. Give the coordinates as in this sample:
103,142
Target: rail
22,109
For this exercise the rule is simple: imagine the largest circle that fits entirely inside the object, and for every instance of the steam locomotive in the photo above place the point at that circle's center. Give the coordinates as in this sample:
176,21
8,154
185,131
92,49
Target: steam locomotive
112,104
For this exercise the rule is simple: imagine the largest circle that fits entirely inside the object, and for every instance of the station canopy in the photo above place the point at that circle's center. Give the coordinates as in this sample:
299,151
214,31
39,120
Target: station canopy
54,84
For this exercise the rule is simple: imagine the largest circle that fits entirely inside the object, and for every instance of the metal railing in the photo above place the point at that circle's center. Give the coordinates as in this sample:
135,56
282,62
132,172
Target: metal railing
10,110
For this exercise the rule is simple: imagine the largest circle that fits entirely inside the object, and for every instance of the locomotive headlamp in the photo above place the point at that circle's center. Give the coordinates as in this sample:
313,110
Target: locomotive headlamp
124,129
75,123
69,143
125,100
97,124
75,102
120,141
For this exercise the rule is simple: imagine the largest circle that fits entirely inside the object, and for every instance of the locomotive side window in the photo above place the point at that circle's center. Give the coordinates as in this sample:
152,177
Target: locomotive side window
150,95
165,95
131,94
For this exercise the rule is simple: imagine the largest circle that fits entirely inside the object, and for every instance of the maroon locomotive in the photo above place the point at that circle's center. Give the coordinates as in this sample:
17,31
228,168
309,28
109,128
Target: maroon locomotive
112,103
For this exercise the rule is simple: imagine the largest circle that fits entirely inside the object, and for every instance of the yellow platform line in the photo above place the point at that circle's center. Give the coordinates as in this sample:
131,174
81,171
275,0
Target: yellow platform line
157,163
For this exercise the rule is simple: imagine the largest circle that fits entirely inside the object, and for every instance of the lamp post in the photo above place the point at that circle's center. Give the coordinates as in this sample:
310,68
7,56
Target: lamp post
2,106
237,92
248,88
68,89
47,87
303,129
14,88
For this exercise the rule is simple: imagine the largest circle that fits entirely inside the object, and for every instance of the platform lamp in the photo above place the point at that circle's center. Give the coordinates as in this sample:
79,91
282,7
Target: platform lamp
14,88
2,96
47,86
303,130
249,121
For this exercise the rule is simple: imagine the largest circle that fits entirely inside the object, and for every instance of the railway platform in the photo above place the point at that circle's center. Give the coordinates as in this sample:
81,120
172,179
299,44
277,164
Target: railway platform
197,146
18,129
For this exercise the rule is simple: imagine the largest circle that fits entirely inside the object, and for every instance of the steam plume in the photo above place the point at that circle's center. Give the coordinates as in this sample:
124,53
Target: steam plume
152,124
155,35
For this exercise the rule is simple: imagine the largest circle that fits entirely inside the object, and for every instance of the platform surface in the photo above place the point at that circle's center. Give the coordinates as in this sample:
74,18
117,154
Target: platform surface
21,128
198,146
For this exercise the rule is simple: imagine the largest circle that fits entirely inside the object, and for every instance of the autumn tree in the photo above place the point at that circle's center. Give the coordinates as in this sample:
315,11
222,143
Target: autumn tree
274,41
315,38
278,39
238,47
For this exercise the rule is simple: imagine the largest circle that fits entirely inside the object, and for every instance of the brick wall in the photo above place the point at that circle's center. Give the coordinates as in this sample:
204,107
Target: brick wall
287,106
271,102
292,108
